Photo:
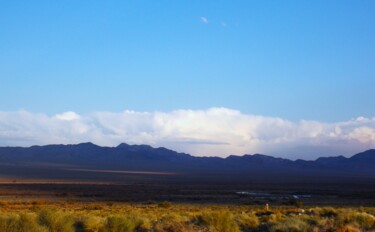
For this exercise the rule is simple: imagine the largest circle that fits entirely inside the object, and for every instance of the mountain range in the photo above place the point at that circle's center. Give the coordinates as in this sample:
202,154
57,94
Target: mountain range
148,159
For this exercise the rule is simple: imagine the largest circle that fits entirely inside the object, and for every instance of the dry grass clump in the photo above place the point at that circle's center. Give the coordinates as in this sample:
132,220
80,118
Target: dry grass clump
20,223
56,221
328,212
273,218
121,223
89,223
165,204
362,220
220,221
9,223
247,221
348,228
290,224
318,223
173,223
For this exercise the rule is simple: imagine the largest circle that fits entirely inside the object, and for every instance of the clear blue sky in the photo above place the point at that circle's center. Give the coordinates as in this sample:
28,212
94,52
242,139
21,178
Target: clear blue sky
290,59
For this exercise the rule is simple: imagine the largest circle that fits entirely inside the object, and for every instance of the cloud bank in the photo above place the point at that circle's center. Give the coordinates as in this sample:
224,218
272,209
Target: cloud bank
215,131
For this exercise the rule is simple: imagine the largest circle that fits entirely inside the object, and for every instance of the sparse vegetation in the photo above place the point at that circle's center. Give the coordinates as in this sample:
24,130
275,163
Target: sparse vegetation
69,215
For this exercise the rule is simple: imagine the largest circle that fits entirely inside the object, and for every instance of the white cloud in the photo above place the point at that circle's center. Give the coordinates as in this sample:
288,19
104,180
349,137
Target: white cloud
204,20
215,131
67,116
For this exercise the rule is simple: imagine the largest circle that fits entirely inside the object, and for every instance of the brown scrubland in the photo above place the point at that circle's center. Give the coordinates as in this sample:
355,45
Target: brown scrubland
22,214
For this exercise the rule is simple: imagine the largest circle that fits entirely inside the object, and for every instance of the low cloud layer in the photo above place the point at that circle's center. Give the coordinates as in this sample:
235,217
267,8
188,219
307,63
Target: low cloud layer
215,131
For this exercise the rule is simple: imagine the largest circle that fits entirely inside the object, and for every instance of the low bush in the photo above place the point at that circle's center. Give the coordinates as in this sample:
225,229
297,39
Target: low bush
290,225
247,221
328,212
89,224
20,223
28,223
221,221
348,228
121,223
362,220
273,218
9,223
171,223
56,221
165,204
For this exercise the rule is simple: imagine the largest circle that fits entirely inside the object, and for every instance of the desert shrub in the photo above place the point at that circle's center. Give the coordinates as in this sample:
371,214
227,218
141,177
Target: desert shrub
165,204
363,220
2,204
273,218
247,221
20,223
56,221
93,207
171,224
127,223
328,212
296,202
28,223
317,222
290,225
370,211
145,224
8,223
348,228
222,221
38,202
89,224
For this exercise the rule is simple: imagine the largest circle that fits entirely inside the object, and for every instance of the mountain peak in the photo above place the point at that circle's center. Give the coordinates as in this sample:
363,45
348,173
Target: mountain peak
87,144
123,145
368,155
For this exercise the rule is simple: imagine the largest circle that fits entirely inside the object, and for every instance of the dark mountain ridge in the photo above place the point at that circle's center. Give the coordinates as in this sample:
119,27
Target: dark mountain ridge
147,158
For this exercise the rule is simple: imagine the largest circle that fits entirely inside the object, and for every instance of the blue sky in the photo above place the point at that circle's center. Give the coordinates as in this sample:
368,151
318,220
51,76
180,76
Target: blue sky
291,59
287,60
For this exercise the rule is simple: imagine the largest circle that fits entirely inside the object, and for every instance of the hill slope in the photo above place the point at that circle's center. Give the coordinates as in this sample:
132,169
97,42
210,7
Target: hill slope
148,159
